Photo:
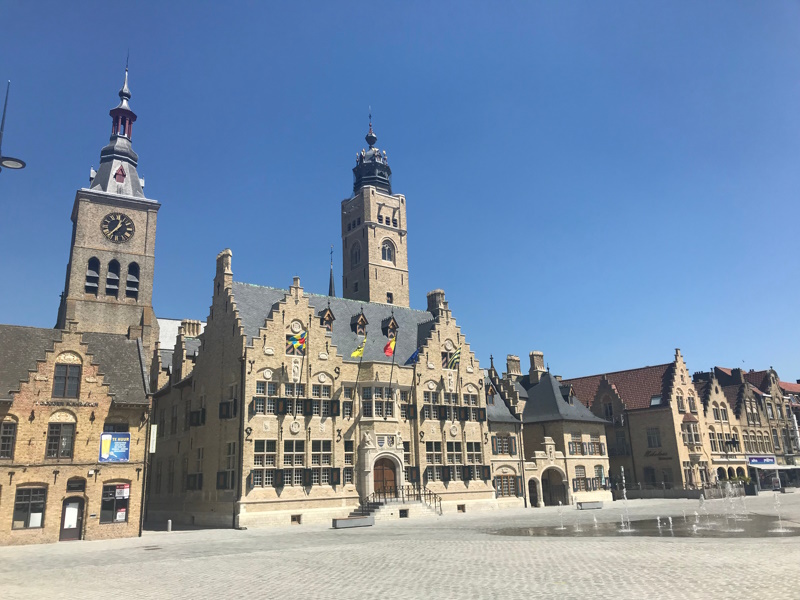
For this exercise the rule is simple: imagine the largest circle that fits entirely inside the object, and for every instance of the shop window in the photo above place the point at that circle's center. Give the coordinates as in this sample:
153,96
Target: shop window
29,506
114,503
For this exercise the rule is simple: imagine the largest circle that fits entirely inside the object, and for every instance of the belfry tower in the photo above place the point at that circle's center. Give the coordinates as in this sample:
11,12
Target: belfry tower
109,283
374,243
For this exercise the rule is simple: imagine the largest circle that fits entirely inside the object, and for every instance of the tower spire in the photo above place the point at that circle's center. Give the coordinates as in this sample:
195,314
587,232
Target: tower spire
331,286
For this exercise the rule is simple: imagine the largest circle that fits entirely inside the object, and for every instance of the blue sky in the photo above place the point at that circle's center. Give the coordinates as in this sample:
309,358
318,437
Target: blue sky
604,182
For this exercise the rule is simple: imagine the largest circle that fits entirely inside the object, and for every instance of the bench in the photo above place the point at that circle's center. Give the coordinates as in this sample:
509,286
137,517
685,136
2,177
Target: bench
589,505
349,522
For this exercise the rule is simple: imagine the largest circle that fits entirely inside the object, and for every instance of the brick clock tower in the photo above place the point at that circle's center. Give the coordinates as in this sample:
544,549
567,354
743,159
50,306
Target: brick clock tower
109,284
374,242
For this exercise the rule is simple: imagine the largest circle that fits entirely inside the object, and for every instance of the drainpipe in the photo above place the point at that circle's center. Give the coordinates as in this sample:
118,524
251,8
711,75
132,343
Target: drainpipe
145,463
240,466
630,439
522,467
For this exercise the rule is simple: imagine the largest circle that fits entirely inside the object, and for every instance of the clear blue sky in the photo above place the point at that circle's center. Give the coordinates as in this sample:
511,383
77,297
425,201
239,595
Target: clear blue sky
603,181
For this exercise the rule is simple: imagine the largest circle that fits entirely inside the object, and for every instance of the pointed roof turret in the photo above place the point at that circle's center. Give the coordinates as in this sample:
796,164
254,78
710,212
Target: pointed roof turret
331,286
372,166
117,171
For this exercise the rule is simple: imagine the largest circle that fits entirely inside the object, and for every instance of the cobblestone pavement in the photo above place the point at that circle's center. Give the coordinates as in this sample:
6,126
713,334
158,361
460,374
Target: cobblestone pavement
454,556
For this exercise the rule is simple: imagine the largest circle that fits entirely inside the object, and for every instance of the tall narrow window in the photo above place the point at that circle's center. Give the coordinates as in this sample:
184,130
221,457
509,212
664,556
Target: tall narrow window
66,382
355,255
112,279
92,284
387,251
8,435
60,438
29,508
132,283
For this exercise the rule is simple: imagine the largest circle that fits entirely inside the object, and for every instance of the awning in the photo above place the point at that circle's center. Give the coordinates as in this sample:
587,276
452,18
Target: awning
775,467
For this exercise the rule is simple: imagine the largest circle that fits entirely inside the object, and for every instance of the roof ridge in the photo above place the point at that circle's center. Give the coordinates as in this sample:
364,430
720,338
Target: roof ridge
617,372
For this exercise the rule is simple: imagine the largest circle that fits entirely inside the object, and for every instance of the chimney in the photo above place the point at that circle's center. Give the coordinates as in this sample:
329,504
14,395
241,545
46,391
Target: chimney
224,272
513,365
537,366
191,328
436,302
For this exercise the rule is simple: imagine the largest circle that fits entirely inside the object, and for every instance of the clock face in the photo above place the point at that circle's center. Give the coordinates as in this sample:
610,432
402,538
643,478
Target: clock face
117,227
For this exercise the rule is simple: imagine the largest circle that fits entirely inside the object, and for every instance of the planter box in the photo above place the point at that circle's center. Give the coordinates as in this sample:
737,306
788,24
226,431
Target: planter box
353,522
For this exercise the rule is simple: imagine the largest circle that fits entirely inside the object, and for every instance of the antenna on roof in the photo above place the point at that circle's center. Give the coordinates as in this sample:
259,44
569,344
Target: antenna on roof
127,58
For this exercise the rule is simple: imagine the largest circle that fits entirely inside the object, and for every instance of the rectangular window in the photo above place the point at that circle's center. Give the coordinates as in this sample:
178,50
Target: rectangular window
326,408
378,408
348,393
454,453
378,393
505,485
653,437
157,477
367,408
348,474
60,438
29,508
315,408
433,452
770,414
261,388
388,409
8,435
348,452
776,441
321,452
347,409
272,388
407,453
173,422
259,405
114,503
474,453
366,393
316,391
66,382
779,408
294,453
264,453
403,396
580,484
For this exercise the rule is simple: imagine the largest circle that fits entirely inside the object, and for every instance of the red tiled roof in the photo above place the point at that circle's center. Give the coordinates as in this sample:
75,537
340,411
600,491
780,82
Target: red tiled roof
726,371
635,386
793,388
756,378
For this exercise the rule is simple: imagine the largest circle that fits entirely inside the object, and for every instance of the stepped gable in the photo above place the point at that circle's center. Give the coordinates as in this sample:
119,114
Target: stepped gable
255,303
546,403
121,360
634,386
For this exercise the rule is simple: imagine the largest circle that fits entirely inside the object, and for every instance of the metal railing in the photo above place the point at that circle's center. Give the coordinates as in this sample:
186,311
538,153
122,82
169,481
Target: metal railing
405,493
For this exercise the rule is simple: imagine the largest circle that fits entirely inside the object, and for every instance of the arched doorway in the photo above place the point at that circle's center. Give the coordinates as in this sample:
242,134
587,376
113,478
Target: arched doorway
553,488
739,472
533,493
731,473
71,519
384,477
721,474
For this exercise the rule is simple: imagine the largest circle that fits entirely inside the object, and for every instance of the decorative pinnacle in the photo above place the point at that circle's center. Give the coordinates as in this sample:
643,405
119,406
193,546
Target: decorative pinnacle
125,92
371,138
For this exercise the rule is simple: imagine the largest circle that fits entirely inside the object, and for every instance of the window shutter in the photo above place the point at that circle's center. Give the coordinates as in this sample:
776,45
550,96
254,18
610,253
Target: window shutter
466,472
571,448
251,408
494,444
235,407
223,409
443,410
413,474
336,476
250,481
512,445
574,485
487,473
202,416
199,481
602,449
519,486
463,413
481,414
222,480
411,412
335,408
280,407
308,408
277,480
446,473
583,448
307,478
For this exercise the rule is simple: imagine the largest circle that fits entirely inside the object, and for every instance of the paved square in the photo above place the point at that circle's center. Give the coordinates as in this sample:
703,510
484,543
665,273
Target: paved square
454,556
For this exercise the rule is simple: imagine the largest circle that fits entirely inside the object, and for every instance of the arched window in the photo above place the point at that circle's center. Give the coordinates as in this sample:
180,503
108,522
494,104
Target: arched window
112,279
679,400
723,412
387,251
715,411
132,283
712,437
692,404
92,276
60,435
355,255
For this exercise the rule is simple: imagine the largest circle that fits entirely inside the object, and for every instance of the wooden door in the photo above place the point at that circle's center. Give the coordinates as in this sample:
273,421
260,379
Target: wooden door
71,519
384,476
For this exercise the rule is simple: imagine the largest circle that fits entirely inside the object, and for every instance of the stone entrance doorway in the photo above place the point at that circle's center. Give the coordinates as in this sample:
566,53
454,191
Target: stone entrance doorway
71,519
384,477
553,488
533,493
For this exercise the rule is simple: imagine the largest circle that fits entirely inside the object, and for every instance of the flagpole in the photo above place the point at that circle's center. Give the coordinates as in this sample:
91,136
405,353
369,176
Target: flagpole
391,371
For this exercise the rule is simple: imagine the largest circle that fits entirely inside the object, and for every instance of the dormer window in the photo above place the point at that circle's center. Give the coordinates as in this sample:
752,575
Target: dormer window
389,327
326,319
119,176
655,401
358,324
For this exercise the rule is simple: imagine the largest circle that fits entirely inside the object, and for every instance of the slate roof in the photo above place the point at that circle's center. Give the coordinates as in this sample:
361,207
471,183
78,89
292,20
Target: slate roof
498,412
635,386
255,303
121,360
546,403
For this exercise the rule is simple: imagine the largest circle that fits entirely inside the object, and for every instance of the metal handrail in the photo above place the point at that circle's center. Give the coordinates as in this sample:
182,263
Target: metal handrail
403,493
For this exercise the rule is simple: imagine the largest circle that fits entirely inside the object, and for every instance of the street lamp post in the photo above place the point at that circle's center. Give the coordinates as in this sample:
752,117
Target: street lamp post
7,161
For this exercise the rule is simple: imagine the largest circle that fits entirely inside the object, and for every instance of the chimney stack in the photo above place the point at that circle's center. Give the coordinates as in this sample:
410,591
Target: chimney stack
513,367
537,366
436,302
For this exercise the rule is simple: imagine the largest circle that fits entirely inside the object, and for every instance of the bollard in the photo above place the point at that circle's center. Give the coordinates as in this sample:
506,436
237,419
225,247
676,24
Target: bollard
169,525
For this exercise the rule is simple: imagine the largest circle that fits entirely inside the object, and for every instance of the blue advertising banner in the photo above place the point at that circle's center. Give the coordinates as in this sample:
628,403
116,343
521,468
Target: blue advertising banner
115,447
761,460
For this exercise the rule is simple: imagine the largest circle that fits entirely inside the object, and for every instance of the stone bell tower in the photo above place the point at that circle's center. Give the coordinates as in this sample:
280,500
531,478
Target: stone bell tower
374,234
109,282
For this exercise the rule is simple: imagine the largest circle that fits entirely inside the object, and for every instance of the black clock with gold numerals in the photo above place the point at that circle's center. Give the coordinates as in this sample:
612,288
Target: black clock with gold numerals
117,227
